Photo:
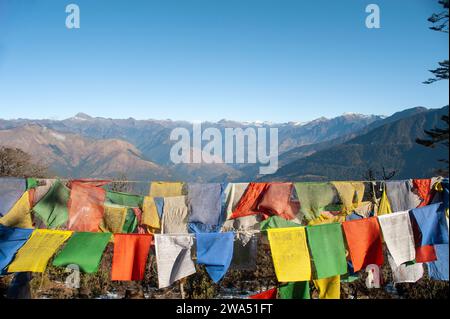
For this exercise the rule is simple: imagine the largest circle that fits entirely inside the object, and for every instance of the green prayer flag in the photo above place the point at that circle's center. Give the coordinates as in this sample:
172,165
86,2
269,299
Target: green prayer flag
32,183
349,278
85,250
326,243
276,222
294,290
131,222
52,208
315,198
124,199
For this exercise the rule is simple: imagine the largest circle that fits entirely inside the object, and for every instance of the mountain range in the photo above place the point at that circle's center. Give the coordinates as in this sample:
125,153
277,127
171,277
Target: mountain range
388,145
344,147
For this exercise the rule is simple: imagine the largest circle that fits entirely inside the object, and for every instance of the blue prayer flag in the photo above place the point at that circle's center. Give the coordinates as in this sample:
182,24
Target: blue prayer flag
11,239
215,251
432,224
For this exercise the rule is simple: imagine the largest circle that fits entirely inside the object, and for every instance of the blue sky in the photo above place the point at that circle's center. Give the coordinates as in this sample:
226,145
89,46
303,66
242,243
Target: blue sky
275,60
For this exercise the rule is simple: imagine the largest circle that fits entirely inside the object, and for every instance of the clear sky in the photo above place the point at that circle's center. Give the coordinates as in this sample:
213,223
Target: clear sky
275,60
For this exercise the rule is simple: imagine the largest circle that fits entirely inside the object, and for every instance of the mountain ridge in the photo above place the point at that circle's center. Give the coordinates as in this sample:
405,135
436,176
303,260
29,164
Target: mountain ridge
390,146
140,148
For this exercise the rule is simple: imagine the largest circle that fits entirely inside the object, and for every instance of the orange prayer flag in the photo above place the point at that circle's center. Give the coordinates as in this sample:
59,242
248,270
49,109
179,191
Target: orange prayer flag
364,242
249,201
130,256
423,187
85,206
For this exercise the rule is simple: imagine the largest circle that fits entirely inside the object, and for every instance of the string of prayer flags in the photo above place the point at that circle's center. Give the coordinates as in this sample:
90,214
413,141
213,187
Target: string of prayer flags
52,208
11,189
290,254
432,224
300,254
364,242
83,249
327,247
215,251
11,239
20,214
130,256
294,290
40,247
173,258
398,236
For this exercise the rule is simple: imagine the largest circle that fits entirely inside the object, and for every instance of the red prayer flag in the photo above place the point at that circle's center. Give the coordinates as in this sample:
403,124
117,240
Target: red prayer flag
276,200
364,242
130,256
425,254
268,294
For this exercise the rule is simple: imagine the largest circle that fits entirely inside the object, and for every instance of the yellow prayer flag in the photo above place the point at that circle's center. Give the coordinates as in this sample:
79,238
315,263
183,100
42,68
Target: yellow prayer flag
327,219
384,207
329,288
113,219
20,214
42,245
290,254
351,195
166,189
150,215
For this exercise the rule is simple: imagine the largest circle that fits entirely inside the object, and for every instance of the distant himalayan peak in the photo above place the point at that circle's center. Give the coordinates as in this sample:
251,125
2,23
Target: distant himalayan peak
81,117
348,115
